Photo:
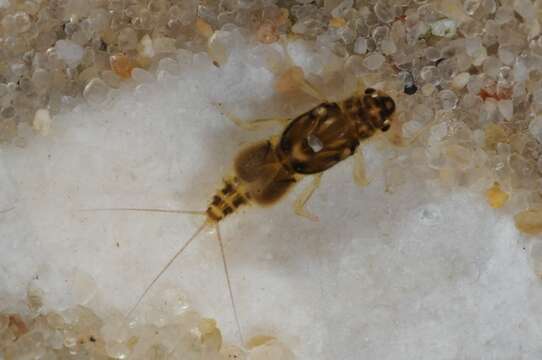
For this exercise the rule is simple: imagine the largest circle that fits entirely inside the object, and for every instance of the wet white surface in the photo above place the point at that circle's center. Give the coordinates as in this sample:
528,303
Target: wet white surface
404,275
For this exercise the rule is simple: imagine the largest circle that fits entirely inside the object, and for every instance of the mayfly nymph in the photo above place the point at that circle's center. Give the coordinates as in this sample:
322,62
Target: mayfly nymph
265,171
309,145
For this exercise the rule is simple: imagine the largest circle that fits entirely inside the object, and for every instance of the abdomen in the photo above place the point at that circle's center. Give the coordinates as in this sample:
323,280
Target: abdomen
259,178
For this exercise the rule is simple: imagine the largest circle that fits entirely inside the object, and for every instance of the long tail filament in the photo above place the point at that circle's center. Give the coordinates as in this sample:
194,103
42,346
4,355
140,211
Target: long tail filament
170,211
173,258
205,224
227,273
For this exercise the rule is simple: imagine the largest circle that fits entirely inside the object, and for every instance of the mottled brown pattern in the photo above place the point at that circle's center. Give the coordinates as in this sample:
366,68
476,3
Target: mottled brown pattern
312,143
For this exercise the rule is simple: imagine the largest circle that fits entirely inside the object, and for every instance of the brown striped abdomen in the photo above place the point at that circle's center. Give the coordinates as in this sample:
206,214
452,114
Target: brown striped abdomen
227,200
259,177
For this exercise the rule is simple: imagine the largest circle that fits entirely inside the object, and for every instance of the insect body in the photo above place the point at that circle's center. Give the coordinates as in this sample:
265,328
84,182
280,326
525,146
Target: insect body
311,143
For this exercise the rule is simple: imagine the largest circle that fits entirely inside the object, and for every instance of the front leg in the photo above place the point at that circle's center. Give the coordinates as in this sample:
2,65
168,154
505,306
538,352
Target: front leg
299,204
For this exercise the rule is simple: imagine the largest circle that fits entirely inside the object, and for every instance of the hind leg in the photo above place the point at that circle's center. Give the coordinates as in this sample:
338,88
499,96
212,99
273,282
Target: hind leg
301,201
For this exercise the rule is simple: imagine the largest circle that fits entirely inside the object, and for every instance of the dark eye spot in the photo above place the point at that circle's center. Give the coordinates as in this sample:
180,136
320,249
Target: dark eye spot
369,91
386,126
386,106
389,104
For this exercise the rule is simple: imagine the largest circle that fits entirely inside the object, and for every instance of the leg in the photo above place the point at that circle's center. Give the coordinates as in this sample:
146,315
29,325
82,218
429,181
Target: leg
360,176
296,74
312,91
253,124
299,205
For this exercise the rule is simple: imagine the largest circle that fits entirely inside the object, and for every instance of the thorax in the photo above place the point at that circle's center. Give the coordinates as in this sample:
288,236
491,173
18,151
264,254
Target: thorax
318,139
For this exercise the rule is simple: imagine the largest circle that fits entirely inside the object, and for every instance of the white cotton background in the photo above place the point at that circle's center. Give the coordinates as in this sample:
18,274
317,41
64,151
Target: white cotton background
402,275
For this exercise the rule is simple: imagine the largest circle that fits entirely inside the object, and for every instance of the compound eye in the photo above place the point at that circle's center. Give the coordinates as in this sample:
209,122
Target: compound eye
370,91
389,104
